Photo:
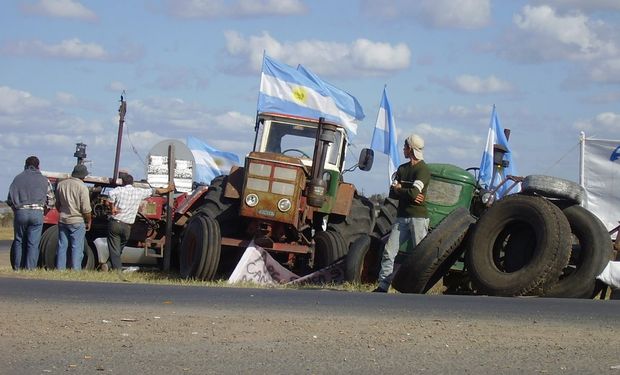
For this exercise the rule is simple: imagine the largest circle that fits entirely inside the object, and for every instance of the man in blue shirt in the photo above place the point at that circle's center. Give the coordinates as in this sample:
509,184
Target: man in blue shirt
30,194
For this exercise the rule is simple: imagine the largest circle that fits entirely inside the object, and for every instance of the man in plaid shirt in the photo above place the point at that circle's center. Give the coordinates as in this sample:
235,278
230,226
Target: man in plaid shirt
124,202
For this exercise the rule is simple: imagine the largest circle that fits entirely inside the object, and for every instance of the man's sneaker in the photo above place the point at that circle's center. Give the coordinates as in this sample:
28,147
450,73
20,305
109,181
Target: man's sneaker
379,290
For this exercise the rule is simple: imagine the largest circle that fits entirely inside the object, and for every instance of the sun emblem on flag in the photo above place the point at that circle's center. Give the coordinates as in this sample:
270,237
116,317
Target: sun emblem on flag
299,94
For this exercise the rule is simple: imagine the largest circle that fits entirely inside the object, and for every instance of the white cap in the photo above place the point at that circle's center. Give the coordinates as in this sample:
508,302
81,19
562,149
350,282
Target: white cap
416,144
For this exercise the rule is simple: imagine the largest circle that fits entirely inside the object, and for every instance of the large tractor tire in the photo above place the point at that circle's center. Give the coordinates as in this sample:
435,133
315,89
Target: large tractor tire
363,261
519,246
386,217
358,223
200,248
553,187
49,250
329,246
590,254
434,255
214,248
224,210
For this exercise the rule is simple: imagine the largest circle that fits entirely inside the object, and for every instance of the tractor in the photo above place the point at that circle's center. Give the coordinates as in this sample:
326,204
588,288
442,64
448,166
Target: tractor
289,198
537,241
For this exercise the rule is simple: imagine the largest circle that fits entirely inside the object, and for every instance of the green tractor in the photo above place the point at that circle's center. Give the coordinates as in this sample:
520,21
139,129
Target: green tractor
539,241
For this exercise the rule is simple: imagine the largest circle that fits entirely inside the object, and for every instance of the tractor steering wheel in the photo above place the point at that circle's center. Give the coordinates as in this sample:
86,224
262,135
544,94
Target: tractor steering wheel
296,150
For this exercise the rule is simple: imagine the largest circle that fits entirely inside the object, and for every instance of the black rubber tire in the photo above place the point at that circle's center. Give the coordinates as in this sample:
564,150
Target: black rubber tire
214,249
434,255
386,217
224,210
553,187
501,230
193,251
329,246
49,249
360,266
358,223
589,255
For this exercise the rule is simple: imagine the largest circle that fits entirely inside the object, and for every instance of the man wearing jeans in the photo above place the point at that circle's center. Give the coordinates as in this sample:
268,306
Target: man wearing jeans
73,204
409,187
124,202
30,194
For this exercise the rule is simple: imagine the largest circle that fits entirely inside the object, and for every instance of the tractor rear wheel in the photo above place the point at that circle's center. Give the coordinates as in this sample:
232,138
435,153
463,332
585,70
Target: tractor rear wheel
224,210
386,217
519,246
49,250
329,246
358,223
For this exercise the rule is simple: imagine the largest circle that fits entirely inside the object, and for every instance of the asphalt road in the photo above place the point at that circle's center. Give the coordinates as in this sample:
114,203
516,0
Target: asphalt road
320,301
60,326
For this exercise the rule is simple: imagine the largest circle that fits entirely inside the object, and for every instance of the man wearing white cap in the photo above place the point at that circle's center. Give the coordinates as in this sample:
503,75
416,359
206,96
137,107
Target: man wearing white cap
409,187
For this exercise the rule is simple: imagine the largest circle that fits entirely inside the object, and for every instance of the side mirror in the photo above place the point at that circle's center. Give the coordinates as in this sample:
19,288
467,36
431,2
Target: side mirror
367,157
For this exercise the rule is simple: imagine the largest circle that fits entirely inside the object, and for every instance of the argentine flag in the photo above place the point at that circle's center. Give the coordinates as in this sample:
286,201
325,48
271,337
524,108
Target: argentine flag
298,92
210,162
384,136
491,175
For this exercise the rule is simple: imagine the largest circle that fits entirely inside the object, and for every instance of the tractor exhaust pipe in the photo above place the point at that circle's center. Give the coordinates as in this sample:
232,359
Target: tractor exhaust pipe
121,120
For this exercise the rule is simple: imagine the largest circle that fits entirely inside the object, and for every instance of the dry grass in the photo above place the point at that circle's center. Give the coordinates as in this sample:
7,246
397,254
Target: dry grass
6,233
161,278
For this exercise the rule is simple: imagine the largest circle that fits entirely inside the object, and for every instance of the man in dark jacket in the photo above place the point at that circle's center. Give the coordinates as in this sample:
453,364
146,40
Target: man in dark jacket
409,187
30,195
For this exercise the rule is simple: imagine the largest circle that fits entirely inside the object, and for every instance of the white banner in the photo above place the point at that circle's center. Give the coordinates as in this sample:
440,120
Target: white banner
257,266
601,179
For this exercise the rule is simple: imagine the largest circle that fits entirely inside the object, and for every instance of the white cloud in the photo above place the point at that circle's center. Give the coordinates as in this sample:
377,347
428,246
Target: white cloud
16,102
66,49
116,86
572,36
361,57
71,49
605,124
234,9
476,85
458,14
582,5
65,98
544,34
61,9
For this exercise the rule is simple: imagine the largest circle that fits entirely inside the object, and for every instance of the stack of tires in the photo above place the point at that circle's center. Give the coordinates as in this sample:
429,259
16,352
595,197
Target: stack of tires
539,242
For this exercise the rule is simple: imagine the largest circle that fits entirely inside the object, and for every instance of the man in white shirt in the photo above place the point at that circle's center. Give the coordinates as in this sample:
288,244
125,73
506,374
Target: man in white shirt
124,202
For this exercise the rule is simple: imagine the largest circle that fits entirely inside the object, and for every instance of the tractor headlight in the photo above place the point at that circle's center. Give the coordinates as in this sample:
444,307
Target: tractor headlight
251,199
284,204
487,198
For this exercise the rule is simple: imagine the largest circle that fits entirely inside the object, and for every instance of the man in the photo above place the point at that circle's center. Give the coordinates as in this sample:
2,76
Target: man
124,202
409,187
73,204
30,194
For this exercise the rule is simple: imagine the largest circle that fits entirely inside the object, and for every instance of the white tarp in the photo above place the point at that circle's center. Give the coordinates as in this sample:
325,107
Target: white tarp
611,275
601,179
257,266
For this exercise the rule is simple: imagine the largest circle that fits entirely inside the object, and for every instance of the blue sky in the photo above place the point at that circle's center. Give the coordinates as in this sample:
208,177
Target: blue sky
192,67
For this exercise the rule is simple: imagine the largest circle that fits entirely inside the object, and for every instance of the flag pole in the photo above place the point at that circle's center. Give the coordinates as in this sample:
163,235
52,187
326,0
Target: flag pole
582,149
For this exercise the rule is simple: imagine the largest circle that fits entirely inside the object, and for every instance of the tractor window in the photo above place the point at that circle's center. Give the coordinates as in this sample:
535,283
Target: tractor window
443,193
298,141
296,138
